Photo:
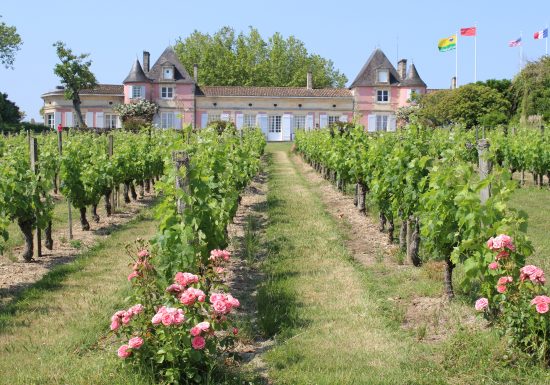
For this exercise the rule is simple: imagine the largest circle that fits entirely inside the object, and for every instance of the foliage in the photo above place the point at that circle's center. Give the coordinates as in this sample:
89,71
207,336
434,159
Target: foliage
469,105
9,112
531,89
75,74
141,110
10,43
228,59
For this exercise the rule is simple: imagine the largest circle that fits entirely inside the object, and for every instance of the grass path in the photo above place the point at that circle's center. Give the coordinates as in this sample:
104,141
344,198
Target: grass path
56,333
337,321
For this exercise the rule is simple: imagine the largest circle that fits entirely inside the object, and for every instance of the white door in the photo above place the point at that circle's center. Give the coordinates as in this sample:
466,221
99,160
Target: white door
274,133
287,127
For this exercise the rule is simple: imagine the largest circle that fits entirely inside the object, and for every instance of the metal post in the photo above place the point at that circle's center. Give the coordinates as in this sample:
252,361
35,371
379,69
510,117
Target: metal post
181,158
34,168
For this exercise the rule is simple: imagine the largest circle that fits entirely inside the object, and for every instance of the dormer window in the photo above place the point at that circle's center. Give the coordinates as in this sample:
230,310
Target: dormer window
383,76
168,73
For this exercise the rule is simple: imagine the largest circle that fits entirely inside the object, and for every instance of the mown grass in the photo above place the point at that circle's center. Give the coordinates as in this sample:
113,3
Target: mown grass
56,332
338,322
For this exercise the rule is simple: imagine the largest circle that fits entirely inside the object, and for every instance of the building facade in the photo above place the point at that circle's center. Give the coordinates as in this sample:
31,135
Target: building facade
372,99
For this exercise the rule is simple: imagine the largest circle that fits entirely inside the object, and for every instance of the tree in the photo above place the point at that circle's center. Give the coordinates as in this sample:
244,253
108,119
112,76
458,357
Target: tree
469,105
531,90
75,75
9,112
10,43
228,59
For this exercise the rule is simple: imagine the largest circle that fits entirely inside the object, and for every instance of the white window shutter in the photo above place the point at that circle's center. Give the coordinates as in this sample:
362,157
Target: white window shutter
224,117
118,122
239,120
89,119
99,120
343,118
130,93
57,118
177,120
309,122
323,120
143,92
262,122
286,126
204,119
371,126
391,123
68,119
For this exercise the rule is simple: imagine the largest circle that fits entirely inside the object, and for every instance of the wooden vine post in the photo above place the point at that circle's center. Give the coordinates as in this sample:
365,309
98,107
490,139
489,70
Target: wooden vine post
485,167
34,168
110,151
69,207
181,158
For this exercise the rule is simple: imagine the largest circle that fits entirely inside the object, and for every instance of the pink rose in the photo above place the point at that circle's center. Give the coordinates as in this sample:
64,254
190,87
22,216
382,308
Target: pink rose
533,273
127,317
133,275
188,297
174,288
143,253
115,325
135,342
157,318
233,301
235,331
198,343
502,254
215,297
493,265
167,319
501,288
540,299
220,307
219,270
195,331
504,280
542,307
203,326
136,309
481,304
123,351
185,279
490,243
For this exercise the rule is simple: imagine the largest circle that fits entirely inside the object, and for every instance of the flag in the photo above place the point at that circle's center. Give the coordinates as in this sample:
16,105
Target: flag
470,31
447,43
541,34
514,43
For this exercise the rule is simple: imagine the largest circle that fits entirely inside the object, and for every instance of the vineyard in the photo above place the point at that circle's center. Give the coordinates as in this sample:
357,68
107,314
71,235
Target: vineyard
441,200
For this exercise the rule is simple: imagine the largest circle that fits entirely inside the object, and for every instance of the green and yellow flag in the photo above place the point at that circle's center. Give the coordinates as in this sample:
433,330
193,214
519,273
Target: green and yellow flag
447,44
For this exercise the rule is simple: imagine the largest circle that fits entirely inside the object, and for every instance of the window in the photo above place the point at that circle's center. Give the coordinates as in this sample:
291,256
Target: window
213,118
383,76
249,120
168,73
166,92
136,92
381,122
110,120
166,120
382,96
333,119
274,123
50,120
299,122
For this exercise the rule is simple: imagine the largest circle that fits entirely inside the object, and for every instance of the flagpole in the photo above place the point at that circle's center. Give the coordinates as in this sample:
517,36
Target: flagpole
456,60
475,54
520,49
546,52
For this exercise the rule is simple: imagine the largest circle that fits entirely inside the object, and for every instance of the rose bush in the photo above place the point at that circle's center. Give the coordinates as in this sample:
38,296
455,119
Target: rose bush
179,331
515,299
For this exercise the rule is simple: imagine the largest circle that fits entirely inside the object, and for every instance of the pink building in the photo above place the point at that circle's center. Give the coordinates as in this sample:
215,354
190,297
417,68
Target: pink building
372,99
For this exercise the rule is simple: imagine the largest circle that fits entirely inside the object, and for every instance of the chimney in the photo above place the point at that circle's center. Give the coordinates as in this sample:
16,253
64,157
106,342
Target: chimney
402,68
309,85
146,56
453,82
196,72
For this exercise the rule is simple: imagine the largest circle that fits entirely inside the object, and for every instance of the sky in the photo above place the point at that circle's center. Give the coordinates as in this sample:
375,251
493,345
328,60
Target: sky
115,32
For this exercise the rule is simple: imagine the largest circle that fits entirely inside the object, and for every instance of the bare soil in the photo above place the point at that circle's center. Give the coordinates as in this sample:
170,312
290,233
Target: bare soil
17,276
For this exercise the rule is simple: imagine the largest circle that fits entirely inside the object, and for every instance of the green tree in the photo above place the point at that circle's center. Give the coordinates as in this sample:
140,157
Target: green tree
469,105
226,58
9,112
75,74
531,90
10,43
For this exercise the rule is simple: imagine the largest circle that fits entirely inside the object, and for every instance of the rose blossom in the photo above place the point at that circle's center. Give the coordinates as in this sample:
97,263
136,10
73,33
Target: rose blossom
175,288
132,275
235,331
504,280
493,265
499,242
501,288
541,303
541,307
135,342
220,307
123,351
185,279
533,273
219,255
115,325
501,255
198,343
195,331
143,253
136,309
481,304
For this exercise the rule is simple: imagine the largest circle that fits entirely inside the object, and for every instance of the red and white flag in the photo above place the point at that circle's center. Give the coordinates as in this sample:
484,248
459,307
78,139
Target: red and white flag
469,31
515,43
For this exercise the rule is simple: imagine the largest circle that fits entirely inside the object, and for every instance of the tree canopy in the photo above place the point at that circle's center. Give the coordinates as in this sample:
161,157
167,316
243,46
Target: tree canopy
531,89
10,43
470,105
228,59
75,74
9,112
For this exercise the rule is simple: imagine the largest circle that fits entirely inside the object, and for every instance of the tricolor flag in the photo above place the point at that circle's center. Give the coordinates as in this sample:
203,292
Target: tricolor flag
447,43
541,34
514,43
470,31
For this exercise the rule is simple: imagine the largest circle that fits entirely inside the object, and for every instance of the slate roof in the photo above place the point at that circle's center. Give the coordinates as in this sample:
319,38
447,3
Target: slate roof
169,57
367,75
413,78
296,92
101,89
136,74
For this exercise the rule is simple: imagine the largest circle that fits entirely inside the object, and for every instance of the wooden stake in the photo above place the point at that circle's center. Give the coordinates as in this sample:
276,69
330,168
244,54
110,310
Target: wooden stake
181,158
34,168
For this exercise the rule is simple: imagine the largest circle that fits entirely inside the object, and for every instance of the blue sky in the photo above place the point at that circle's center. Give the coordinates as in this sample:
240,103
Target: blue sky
115,32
